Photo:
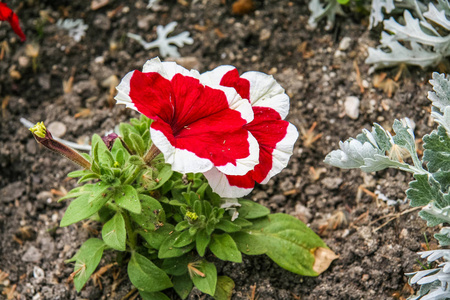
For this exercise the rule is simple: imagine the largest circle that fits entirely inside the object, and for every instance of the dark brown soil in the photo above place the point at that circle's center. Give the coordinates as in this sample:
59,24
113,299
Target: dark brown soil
272,39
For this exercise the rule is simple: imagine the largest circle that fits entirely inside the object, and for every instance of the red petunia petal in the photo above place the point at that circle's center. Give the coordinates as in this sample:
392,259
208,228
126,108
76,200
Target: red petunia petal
276,139
194,125
6,14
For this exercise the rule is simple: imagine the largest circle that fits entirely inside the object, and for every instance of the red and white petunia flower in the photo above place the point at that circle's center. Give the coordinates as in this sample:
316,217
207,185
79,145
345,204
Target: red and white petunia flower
275,136
197,127
7,14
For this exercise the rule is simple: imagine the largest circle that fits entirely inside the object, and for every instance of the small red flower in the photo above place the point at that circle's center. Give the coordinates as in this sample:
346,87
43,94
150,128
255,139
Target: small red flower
6,14
275,136
196,126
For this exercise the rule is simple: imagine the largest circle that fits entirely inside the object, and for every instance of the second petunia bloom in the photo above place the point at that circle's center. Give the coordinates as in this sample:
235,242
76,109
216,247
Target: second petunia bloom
276,137
196,126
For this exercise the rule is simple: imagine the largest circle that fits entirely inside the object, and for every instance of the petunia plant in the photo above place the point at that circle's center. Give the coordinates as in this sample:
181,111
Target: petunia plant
167,188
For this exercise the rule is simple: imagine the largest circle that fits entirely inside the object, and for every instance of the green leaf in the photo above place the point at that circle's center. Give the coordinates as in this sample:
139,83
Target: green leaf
147,218
82,207
88,177
432,219
252,210
285,239
86,261
100,151
156,238
137,143
184,239
163,176
79,173
224,289
145,275
437,153
228,226
223,246
168,250
176,265
153,296
201,241
182,285
206,284
128,198
114,233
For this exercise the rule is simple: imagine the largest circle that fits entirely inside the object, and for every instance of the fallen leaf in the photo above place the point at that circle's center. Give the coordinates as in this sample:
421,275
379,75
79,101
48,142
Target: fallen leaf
323,259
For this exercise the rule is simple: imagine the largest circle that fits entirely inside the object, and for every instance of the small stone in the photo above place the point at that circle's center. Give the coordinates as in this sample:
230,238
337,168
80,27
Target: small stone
351,106
24,61
38,273
44,81
345,43
31,146
303,213
32,255
12,191
264,34
57,129
332,183
279,199
102,21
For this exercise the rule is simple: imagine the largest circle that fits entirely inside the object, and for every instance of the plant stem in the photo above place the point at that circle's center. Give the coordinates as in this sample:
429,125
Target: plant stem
151,154
132,236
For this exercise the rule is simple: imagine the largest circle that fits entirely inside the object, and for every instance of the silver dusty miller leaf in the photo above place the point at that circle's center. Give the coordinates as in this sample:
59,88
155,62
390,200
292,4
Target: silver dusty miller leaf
163,42
329,11
416,42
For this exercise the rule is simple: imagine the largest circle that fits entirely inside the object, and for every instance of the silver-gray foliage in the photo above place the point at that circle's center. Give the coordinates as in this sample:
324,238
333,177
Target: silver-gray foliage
422,39
377,150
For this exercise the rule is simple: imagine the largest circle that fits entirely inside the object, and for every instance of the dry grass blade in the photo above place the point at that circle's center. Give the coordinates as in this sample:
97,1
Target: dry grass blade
358,76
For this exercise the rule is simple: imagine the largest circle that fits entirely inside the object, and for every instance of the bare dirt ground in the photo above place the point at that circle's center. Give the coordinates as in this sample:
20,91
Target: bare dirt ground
274,38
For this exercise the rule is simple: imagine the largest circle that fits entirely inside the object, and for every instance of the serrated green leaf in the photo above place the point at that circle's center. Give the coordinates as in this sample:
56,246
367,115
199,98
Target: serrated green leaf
443,236
82,208
147,218
223,246
114,233
285,239
182,285
224,289
168,250
201,241
153,296
423,190
252,210
127,197
86,261
145,275
437,153
156,238
432,219
206,284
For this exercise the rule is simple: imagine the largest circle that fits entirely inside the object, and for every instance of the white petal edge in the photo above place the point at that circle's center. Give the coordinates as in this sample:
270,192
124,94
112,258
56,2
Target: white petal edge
123,90
214,77
167,69
282,152
243,165
220,185
182,161
266,92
